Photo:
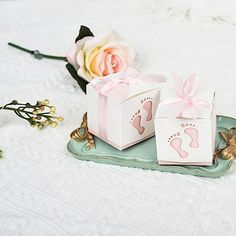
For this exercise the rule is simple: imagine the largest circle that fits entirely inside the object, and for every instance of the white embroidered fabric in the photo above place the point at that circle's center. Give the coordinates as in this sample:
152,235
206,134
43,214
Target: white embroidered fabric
43,189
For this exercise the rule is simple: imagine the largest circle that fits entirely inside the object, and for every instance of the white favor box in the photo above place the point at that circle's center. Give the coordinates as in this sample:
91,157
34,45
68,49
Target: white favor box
182,141
126,122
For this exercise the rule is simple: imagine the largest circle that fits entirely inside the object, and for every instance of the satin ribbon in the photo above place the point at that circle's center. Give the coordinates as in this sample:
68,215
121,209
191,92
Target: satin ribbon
116,86
185,104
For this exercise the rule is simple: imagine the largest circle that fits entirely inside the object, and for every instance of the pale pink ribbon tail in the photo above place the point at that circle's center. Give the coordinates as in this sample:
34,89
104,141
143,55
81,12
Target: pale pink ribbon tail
185,104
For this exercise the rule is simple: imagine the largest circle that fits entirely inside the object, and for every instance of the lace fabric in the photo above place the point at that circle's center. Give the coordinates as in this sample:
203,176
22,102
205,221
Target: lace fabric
43,189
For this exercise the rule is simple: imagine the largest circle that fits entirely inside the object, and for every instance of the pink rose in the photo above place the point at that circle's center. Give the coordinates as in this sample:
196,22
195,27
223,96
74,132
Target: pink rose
96,57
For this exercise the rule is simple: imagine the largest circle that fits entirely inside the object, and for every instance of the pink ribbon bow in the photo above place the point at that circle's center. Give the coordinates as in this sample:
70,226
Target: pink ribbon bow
185,104
116,85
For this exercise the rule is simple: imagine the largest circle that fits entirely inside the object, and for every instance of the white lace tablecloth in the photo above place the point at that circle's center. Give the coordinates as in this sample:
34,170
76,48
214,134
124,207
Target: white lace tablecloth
43,189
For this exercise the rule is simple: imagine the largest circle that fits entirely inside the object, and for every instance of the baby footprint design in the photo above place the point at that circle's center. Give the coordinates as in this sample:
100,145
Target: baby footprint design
192,132
136,122
176,143
147,105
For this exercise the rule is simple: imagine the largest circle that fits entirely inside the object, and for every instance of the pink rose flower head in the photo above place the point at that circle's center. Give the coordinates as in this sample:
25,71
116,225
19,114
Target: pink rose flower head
97,57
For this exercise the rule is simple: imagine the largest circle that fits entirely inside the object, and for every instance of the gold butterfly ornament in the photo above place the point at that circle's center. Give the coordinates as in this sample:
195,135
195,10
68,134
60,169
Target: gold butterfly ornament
229,151
82,134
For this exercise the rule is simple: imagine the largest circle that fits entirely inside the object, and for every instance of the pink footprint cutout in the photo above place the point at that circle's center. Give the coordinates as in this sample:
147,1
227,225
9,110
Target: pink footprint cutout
137,124
193,134
176,143
148,107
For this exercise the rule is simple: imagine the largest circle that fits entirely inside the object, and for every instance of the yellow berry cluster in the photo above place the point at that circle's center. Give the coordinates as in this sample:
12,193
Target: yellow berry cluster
40,115
44,115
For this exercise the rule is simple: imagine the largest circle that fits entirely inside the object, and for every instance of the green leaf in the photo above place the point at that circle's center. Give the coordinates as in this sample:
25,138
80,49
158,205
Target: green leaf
82,82
83,32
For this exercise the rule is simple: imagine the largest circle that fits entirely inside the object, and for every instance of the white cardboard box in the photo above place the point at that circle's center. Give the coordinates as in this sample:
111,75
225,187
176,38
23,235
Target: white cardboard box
126,122
181,141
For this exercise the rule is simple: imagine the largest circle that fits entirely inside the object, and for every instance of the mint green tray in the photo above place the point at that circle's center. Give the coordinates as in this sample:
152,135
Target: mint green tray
143,155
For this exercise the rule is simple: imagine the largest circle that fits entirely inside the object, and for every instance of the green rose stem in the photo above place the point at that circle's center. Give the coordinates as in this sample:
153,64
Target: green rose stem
40,114
36,53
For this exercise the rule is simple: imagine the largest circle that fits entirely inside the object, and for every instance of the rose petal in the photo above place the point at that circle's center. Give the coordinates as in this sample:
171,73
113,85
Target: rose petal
90,58
97,65
117,64
71,56
82,69
84,74
108,67
73,51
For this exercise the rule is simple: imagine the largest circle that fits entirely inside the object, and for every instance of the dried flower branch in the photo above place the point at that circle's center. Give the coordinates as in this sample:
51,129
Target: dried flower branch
41,114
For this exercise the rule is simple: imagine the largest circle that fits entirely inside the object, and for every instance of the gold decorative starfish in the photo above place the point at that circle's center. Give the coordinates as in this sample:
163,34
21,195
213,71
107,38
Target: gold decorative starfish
228,152
81,134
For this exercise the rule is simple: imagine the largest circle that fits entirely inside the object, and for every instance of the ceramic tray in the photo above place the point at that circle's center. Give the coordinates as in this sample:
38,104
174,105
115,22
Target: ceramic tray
143,155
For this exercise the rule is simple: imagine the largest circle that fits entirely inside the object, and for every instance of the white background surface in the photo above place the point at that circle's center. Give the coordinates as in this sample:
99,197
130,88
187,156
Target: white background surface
45,191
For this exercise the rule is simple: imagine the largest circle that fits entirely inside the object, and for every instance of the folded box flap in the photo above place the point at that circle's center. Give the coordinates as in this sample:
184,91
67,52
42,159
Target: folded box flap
127,92
124,85
134,90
